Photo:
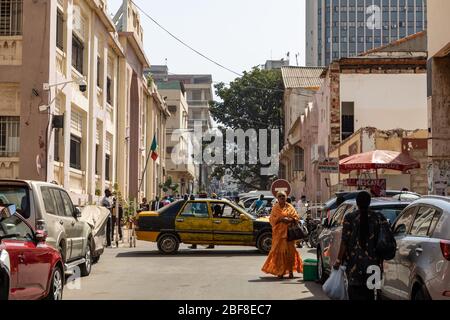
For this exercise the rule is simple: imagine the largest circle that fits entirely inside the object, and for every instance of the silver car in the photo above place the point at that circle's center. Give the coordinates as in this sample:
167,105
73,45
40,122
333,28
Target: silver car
49,207
421,267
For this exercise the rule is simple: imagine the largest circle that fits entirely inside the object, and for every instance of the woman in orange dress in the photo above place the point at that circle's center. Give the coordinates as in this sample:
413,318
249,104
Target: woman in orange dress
283,257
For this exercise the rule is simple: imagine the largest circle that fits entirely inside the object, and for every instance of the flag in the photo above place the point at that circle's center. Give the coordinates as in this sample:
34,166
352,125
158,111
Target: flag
154,148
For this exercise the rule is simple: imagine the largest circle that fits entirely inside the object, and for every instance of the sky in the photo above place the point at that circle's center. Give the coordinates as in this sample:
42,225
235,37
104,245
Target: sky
239,34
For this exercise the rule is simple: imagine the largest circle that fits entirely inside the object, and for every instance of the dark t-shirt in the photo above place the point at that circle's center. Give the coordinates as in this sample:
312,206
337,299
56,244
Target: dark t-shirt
357,259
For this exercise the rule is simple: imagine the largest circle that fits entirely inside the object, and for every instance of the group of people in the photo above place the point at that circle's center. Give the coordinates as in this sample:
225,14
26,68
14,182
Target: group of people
357,248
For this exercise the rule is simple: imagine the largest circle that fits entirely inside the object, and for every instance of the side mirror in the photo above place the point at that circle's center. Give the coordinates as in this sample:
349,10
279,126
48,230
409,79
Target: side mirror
41,236
76,213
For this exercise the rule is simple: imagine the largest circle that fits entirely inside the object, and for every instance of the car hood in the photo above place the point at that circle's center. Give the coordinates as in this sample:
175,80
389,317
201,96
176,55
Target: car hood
263,220
148,214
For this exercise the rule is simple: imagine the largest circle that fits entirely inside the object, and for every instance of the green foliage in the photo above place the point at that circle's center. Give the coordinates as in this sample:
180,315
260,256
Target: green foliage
169,186
254,101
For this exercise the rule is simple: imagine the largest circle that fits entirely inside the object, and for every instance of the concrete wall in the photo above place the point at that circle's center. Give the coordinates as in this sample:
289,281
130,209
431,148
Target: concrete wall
386,101
438,25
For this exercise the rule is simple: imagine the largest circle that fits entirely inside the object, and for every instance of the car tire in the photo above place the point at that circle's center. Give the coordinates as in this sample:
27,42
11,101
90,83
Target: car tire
421,294
264,243
321,274
86,267
168,244
4,286
56,288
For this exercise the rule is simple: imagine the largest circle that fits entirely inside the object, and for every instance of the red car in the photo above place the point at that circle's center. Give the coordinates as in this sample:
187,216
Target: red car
29,268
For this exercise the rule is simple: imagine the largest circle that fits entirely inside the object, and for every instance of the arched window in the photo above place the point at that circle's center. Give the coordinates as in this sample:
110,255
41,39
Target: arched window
299,159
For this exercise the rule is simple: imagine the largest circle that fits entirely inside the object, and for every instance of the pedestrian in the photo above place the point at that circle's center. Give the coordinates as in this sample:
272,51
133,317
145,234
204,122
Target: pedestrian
144,206
283,257
117,219
107,203
259,203
358,247
186,198
155,204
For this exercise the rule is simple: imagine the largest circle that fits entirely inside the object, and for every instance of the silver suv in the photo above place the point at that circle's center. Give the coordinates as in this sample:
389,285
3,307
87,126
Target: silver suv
421,267
49,207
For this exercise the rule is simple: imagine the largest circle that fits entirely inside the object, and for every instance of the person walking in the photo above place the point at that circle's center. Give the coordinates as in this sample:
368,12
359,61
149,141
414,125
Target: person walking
144,206
358,247
155,204
283,258
117,219
107,203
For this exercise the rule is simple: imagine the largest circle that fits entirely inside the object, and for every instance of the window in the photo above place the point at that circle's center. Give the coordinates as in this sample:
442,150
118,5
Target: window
49,201
58,136
108,167
16,227
348,119
423,221
99,69
404,222
169,150
9,136
197,95
338,218
59,205
67,202
224,211
109,91
299,159
196,210
97,164
390,214
77,53
172,109
60,30
10,18
16,196
75,152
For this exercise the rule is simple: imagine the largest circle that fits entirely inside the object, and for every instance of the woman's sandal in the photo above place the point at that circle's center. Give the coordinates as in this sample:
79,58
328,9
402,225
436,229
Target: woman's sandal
291,276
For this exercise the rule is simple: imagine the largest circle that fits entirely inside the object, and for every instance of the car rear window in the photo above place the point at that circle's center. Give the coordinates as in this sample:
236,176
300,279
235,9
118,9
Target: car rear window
17,196
391,214
171,209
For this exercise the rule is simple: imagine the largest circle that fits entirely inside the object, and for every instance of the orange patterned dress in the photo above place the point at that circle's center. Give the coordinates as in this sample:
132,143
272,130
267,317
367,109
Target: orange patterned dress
283,257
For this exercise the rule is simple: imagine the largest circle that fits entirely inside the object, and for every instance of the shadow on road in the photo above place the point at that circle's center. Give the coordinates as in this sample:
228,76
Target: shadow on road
266,279
186,253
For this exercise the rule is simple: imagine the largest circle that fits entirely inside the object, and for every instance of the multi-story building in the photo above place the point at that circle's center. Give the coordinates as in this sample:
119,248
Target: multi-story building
199,94
85,129
179,149
61,43
439,97
343,28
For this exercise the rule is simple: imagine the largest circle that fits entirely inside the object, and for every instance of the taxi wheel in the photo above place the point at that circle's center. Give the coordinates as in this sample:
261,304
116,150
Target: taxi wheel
265,243
168,244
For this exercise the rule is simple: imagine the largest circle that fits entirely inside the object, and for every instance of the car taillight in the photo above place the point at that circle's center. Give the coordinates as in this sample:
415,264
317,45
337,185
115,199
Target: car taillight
445,247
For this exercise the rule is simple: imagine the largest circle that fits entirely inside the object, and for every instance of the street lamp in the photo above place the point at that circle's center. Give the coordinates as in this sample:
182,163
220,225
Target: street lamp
82,83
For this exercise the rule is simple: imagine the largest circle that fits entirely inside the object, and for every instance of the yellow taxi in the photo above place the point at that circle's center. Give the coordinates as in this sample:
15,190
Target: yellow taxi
203,222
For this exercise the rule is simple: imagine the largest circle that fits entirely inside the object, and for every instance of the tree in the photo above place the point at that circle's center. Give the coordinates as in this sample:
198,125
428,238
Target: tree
169,186
253,101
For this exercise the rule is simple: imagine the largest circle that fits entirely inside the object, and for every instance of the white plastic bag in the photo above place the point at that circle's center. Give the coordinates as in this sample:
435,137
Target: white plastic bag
336,287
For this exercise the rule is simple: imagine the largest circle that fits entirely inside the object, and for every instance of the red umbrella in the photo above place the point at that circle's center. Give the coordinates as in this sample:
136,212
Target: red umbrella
379,159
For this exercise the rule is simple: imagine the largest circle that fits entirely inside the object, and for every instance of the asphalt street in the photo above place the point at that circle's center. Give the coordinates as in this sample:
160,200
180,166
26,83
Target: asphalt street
223,273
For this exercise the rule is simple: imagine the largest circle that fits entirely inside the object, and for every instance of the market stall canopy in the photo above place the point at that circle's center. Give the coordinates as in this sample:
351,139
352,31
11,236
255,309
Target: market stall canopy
379,159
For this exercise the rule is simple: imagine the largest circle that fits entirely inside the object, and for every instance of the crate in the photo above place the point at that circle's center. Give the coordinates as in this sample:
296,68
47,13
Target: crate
310,272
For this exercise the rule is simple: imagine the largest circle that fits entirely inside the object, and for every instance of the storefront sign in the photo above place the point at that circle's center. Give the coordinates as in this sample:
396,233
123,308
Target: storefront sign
329,166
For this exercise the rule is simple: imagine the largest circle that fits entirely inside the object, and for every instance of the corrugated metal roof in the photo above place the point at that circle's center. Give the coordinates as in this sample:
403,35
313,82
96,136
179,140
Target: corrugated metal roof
302,77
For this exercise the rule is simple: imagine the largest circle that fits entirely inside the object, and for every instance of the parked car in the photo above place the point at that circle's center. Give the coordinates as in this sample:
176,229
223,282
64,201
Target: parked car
331,205
48,207
421,267
330,237
250,201
30,269
195,222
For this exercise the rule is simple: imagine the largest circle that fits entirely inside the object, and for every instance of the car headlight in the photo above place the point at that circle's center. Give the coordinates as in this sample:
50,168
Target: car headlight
4,260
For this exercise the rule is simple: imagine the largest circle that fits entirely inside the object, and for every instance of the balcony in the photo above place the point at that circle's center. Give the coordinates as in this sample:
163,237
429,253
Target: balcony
198,103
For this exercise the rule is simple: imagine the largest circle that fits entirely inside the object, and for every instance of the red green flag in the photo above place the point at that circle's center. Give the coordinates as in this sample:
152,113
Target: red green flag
154,148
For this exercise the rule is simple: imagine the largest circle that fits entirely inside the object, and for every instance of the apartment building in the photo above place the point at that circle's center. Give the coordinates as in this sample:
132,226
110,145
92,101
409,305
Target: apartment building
439,97
344,28
179,148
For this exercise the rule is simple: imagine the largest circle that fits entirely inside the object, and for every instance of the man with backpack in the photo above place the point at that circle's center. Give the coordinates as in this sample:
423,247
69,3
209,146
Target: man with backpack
367,241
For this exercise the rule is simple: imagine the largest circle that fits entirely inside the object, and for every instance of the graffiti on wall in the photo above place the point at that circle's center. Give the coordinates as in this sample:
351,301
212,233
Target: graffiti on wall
439,177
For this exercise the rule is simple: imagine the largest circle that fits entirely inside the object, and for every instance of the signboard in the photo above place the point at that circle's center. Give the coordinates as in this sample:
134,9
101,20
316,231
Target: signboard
281,186
329,166
377,186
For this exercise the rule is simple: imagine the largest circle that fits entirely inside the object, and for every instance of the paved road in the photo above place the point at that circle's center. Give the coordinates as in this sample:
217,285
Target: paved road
225,273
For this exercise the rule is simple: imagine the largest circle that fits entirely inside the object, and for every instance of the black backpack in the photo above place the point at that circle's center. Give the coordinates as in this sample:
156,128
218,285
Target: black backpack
386,247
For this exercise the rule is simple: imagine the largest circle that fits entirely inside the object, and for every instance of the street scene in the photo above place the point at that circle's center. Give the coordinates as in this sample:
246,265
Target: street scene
242,150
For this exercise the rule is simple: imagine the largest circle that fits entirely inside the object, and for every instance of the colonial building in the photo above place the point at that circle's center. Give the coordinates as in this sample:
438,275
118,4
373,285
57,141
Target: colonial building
439,97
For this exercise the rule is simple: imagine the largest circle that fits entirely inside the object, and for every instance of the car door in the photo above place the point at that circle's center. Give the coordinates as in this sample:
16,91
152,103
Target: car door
194,223
228,227
328,237
31,261
394,286
67,222
77,237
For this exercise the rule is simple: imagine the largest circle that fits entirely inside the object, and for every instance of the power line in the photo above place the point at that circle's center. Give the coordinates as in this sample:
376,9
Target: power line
184,43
